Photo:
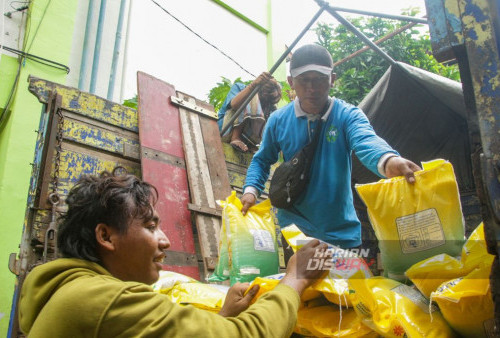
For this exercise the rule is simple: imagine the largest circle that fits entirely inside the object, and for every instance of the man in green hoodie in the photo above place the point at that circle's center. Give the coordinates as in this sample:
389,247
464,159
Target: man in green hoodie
113,249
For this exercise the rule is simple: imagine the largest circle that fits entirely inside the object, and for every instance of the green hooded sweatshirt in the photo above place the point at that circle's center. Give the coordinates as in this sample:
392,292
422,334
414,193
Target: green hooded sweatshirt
76,298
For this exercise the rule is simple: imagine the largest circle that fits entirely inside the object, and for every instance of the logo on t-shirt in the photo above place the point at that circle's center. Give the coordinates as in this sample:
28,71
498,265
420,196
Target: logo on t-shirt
331,134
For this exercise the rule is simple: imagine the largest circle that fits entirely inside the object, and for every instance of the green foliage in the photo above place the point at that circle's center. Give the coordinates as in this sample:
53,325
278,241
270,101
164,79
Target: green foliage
132,103
357,76
286,91
218,94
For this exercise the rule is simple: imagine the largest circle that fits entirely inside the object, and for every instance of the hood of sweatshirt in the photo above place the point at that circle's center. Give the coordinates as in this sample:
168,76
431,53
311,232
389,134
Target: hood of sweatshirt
44,280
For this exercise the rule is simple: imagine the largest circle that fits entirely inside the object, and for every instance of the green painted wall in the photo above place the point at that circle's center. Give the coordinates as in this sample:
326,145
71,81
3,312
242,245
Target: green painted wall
50,33
8,67
274,47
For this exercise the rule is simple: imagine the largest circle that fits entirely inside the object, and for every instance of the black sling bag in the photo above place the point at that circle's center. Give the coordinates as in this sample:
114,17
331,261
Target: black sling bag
291,177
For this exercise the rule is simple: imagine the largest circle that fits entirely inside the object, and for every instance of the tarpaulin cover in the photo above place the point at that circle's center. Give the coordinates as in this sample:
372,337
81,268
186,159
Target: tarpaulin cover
422,115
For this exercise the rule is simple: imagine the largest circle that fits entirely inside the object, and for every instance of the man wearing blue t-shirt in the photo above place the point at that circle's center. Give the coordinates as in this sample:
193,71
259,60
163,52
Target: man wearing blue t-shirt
325,209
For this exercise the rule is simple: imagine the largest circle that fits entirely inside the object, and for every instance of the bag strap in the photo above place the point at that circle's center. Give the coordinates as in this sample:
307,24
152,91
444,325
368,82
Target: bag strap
311,146
316,135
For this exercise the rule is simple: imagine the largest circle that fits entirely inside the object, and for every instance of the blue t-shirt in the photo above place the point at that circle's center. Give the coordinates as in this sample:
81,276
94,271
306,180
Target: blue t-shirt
325,210
235,89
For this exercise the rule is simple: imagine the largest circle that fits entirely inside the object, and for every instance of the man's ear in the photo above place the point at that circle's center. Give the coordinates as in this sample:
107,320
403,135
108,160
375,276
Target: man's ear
290,81
333,78
103,235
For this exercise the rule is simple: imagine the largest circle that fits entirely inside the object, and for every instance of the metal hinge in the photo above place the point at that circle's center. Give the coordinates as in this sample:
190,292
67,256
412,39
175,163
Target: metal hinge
14,264
193,106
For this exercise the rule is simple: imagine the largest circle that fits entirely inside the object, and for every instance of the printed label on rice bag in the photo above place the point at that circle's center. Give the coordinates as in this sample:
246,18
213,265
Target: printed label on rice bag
420,231
249,271
262,240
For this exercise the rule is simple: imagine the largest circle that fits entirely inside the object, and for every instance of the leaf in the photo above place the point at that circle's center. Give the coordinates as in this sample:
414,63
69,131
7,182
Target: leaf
132,103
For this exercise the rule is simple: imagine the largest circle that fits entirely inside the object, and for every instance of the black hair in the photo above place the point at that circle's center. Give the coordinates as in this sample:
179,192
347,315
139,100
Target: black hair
311,54
268,98
115,200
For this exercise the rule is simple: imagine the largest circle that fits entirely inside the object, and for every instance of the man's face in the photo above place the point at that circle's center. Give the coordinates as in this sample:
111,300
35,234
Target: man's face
312,88
140,251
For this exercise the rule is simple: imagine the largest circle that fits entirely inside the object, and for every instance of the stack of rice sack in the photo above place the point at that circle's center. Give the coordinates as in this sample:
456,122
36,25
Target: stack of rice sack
353,303
460,287
185,290
393,309
420,229
326,309
247,244
317,316
344,264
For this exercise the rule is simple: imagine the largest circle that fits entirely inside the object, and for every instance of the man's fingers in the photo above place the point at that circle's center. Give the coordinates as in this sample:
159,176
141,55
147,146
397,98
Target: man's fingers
245,207
315,243
410,168
410,178
312,243
398,166
247,200
252,292
414,167
263,78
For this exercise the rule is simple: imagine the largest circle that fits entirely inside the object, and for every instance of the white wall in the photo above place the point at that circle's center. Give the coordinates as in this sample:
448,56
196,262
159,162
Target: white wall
159,45
109,34
12,29
155,43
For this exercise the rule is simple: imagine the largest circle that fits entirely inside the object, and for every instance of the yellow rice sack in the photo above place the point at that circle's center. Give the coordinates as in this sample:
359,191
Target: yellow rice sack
168,279
294,237
200,295
330,321
475,251
344,265
251,241
413,222
315,317
430,273
396,310
185,290
269,282
466,303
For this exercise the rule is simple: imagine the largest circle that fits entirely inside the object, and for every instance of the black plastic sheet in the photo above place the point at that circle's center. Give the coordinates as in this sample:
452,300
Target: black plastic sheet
422,115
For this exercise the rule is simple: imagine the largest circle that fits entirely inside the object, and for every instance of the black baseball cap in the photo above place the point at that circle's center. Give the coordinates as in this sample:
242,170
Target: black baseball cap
311,57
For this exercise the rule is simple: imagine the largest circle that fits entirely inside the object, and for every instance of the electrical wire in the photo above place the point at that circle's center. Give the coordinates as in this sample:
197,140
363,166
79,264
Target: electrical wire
37,27
20,9
6,113
22,56
24,3
199,36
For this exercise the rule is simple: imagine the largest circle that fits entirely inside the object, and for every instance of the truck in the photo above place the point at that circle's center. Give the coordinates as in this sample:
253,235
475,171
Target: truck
80,133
